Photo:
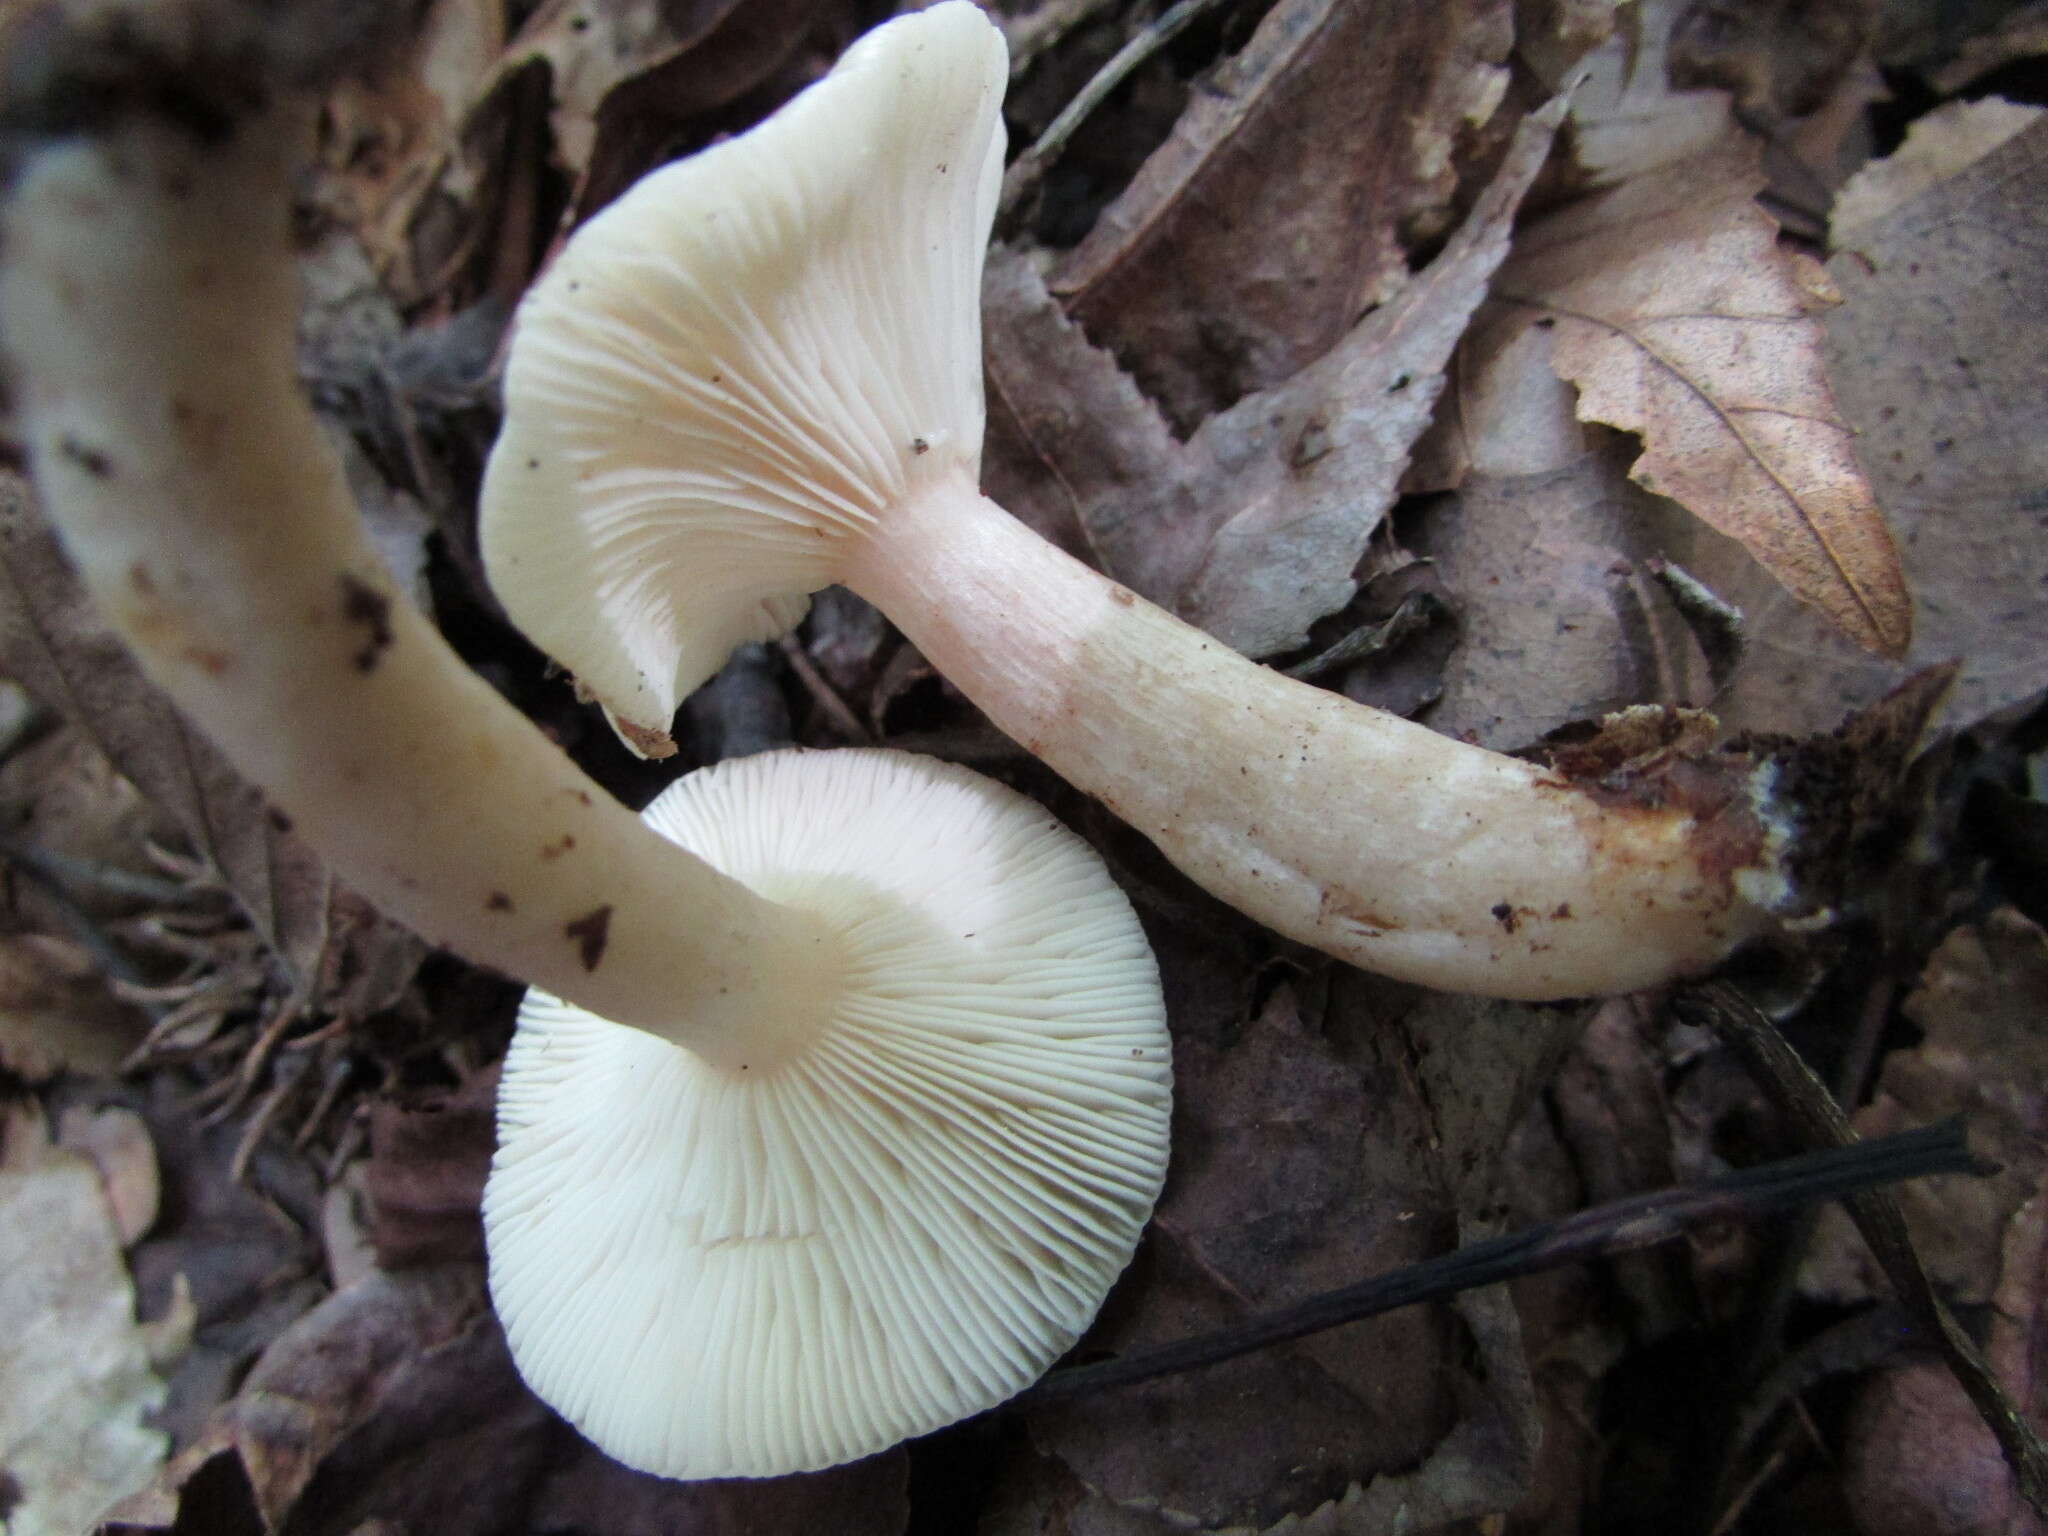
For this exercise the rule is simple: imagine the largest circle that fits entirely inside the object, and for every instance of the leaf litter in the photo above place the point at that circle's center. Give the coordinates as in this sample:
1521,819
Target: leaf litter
1356,329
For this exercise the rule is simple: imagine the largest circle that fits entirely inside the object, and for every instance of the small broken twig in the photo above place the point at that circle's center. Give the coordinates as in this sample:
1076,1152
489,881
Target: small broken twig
1025,171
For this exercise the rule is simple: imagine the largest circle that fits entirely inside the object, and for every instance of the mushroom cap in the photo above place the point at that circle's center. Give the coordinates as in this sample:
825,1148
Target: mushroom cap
747,358
744,1271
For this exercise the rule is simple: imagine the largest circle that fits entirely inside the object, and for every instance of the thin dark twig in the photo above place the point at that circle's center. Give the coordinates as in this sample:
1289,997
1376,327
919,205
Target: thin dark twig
1028,167
1804,1099
1620,1226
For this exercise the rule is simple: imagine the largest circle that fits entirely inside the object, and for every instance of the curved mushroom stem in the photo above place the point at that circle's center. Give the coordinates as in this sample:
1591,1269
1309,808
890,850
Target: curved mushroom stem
150,306
1350,829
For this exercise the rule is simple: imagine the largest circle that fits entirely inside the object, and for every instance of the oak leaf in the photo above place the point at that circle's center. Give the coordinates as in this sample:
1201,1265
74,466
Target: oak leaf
1678,318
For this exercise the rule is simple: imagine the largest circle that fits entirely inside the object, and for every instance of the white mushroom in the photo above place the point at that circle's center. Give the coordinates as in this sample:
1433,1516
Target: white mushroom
988,1072
871,1225
758,373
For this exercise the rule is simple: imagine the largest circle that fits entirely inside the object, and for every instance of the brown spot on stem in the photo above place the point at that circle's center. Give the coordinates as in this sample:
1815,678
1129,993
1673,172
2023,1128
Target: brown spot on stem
140,579
558,847
1122,596
497,901
93,461
645,740
279,822
1349,911
591,933
363,605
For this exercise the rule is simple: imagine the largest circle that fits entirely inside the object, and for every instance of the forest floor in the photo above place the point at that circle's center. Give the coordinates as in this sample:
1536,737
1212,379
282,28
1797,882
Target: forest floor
1521,281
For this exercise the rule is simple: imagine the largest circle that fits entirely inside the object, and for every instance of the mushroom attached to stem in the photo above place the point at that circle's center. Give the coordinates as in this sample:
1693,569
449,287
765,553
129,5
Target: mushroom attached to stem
893,1108
758,373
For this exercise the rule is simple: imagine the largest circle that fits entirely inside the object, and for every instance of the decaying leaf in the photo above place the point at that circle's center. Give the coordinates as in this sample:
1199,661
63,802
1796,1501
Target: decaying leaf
54,642
1627,118
1934,356
1253,527
76,1371
1324,1141
1942,144
1980,1003
424,1181
1679,319
1920,1460
117,1141
1274,216
56,1013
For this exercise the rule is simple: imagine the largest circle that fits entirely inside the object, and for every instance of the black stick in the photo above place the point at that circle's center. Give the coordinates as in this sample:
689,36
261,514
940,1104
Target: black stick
1620,1226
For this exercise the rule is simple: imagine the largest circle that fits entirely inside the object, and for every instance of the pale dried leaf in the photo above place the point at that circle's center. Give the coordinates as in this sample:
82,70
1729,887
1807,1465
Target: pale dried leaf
1627,119
1946,141
75,1370
118,1142
1278,210
1680,319
1935,358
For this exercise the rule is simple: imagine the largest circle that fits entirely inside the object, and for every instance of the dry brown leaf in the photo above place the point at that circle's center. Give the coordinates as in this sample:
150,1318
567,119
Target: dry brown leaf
430,1153
1680,319
1935,358
56,1012
1278,210
55,643
1252,529
76,1371
1314,1146
590,49
1627,119
1980,1002
384,142
1920,1461
118,1142
1557,620
1942,144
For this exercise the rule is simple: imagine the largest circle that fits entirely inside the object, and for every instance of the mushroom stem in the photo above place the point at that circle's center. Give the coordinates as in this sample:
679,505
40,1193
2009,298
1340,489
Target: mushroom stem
150,304
1350,829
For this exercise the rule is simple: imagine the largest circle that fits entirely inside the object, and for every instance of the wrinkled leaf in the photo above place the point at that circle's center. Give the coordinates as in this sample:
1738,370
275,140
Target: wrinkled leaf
429,1156
1277,211
1680,320
1936,360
